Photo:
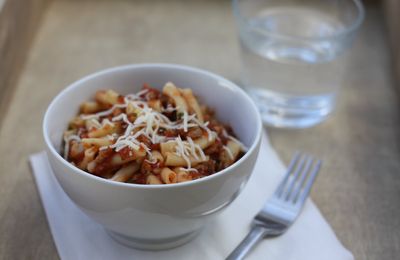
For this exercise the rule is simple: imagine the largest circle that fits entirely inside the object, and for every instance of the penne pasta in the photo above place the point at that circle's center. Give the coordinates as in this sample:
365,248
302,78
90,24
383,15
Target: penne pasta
103,131
172,92
107,97
230,153
191,100
168,176
132,110
117,159
167,147
99,142
173,159
89,156
155,104
150,137
234,149
89,107
152,179
69,133
91,166
205,141
92,124
182,175
76,150
76,123
156,155
126,172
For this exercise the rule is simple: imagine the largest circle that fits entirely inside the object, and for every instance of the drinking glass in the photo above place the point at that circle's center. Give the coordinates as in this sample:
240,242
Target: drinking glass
293,55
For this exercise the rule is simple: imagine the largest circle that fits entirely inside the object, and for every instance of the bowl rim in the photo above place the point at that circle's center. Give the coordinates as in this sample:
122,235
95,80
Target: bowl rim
76,84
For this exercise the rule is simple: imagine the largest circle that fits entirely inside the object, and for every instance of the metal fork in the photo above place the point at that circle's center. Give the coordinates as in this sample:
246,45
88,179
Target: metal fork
284,206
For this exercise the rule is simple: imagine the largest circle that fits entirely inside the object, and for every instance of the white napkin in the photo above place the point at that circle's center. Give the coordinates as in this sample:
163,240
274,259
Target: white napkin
78,237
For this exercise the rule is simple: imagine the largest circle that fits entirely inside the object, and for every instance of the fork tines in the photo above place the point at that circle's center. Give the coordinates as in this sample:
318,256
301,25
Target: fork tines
296,185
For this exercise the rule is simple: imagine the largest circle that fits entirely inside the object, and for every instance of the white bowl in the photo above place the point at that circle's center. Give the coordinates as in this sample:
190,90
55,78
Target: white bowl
160,216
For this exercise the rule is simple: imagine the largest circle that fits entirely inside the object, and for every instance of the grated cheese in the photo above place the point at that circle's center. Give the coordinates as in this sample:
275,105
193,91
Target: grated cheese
185,121
137,95
187,149
180,151
148,122
189,169
169,108
192,148
120,117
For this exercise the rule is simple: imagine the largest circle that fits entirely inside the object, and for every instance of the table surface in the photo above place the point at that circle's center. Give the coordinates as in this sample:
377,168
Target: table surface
358,190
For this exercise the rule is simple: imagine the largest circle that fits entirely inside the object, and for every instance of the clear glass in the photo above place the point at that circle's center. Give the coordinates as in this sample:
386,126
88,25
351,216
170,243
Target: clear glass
294,55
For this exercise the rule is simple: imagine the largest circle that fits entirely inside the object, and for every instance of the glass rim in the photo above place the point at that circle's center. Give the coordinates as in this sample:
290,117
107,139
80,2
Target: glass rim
346,31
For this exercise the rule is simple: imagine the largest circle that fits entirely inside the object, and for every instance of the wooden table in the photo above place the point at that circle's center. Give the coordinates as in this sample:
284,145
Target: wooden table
358,190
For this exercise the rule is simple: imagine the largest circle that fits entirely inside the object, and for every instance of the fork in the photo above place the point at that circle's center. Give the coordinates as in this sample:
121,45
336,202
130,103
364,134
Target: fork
282,209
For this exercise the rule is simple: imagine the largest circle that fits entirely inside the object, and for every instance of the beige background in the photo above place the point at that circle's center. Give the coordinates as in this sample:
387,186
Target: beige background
19,20
358,190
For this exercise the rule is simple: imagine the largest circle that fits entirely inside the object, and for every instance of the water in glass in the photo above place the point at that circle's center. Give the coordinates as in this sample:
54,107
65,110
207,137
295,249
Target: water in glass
294,80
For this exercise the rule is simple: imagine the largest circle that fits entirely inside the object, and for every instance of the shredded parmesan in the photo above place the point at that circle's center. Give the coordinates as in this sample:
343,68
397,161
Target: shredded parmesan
138,125
202,155
169,108
181,151
147,123
151,161
122,117
142,92
137,95
187,149
185,121
192,148
189,169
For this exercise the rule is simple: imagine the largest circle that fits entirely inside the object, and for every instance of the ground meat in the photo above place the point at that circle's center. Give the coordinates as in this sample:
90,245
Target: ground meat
155,147
143,139
120,99
205,168
151,93
214,149
194,132
171,133
138,178
117,112
148,167
165,101
83,132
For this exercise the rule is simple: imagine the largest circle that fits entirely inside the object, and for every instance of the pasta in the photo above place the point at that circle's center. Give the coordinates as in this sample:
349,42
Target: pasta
151,137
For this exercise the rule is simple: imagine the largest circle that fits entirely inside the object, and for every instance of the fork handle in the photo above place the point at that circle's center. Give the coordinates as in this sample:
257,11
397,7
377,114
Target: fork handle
256,234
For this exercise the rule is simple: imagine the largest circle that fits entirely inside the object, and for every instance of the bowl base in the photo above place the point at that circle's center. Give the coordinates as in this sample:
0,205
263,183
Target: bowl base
153,244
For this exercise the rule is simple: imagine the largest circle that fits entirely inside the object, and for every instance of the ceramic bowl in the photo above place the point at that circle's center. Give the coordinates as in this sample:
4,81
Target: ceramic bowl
154,216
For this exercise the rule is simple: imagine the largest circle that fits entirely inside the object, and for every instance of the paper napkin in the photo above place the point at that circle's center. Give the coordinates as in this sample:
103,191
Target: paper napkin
310,238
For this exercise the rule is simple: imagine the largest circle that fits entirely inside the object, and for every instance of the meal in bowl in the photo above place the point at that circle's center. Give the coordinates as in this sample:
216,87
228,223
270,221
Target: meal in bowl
151,137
